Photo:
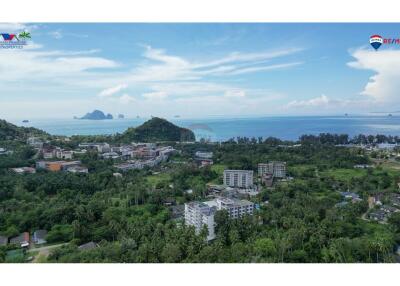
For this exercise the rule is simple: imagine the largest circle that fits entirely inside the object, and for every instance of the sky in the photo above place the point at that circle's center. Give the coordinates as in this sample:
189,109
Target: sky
199,70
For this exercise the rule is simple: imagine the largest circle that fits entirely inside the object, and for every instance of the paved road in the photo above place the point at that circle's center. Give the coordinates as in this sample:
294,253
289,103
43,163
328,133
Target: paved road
44,251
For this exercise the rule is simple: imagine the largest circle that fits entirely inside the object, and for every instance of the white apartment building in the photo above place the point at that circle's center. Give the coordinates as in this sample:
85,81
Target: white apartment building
198,215
238,178
235,208
277,169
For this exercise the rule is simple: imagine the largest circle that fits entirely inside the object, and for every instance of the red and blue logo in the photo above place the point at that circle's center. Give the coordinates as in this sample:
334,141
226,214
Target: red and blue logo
376,41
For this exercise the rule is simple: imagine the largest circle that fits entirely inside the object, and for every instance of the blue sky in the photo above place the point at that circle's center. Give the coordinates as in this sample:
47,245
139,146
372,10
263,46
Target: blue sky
199,70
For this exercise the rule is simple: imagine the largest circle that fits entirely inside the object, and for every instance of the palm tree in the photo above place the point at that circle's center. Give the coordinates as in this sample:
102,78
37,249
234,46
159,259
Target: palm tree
24,35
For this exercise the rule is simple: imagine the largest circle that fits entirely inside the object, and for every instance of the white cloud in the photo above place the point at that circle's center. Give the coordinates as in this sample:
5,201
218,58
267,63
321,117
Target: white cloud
384,85
126,99
321,101
161,78
112,90
158,95
56,34
235,93
16,27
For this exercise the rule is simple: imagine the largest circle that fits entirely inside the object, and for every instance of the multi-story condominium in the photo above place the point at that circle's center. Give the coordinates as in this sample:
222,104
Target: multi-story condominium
238,178
277,169
235,208
199,215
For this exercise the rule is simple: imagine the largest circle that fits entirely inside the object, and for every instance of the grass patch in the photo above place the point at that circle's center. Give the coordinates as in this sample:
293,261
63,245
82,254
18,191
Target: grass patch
344,174
159,178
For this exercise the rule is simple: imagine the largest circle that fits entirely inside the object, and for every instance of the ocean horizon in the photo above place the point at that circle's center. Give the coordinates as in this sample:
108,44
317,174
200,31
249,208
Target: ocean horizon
221,129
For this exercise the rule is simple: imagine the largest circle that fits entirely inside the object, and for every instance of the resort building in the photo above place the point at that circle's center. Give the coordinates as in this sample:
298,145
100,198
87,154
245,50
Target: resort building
235,208
277,169
238,178
199,214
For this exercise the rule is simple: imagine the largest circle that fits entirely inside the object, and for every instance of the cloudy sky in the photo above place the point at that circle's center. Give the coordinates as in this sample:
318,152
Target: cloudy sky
199,70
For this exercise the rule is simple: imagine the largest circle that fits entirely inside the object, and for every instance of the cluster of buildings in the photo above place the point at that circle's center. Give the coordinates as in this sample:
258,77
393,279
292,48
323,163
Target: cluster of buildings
201,214
51,152
381,212
56,166
348,197
141,155
25,239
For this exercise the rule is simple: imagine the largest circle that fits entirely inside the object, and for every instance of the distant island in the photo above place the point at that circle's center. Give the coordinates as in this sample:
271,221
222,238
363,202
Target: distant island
96,115
121,116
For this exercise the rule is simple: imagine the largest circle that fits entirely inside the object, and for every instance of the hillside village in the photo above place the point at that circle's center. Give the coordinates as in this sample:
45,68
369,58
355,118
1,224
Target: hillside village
209,191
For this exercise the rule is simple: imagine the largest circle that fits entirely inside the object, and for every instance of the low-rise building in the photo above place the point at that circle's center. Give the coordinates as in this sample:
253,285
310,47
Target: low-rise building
238,178
204,155
21,240
24,170
99,147
56,166
78,169
39,236
110,155
378,215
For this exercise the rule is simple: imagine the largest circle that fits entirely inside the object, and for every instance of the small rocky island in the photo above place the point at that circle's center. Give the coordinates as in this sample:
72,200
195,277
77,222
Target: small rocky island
96,115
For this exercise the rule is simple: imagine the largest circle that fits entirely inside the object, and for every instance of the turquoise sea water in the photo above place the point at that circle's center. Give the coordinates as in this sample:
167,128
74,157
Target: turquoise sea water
289,128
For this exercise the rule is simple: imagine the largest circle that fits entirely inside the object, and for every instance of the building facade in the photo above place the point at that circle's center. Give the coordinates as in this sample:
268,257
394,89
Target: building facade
235,208
277,169
238,178
199,214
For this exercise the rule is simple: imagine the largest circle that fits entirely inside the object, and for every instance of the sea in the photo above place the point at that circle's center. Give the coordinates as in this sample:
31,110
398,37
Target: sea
221,129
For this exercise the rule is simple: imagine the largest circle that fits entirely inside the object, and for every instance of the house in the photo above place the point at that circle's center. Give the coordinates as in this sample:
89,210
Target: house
24,170
22,240
88,246
78,169
39,236
204,155
362,166
110,155
3,240
353,196
378,215
389,209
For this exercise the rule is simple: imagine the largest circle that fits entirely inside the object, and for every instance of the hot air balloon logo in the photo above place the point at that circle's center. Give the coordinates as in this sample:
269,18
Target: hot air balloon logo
375,41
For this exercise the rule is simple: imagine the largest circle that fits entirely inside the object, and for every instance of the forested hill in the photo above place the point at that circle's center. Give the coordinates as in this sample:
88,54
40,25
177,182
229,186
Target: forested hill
10,131
157,129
